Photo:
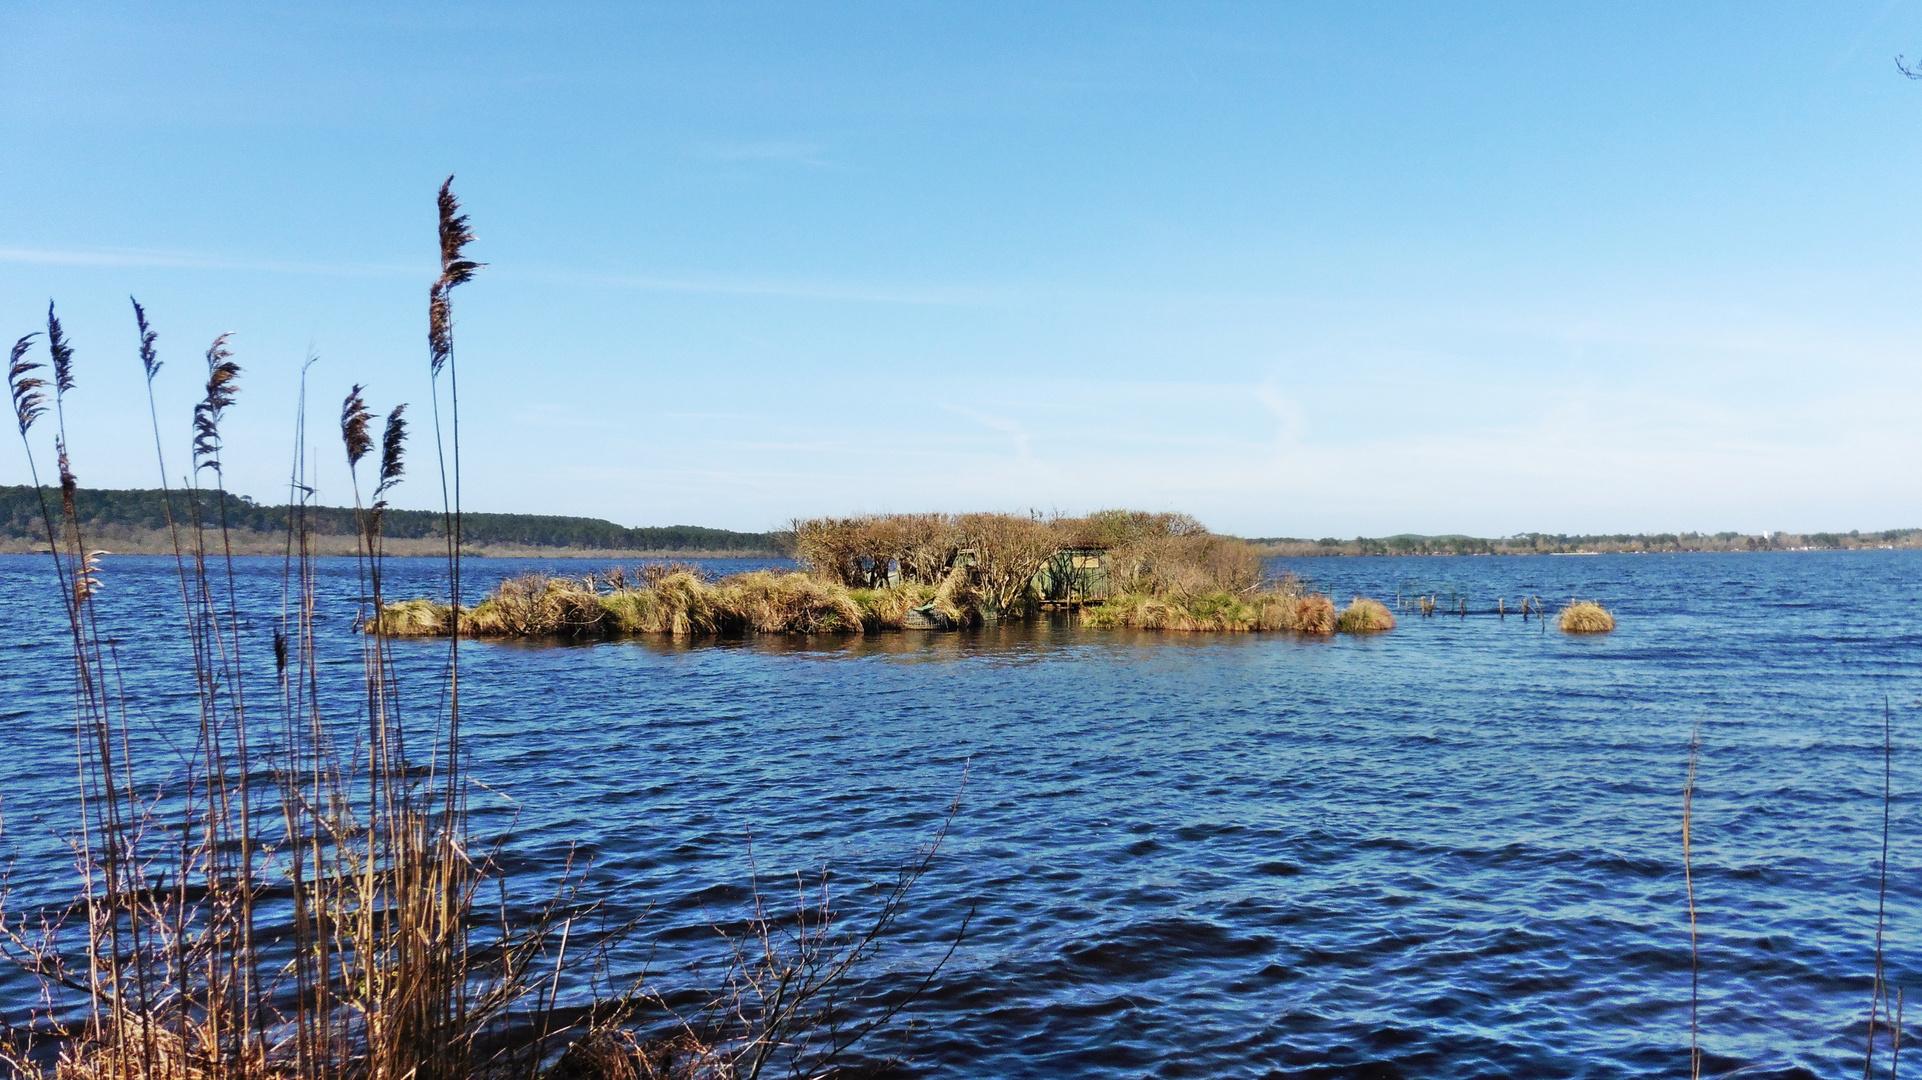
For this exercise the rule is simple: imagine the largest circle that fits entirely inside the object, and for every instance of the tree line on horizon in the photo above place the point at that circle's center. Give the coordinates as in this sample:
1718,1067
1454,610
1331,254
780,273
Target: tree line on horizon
1601,543
147,509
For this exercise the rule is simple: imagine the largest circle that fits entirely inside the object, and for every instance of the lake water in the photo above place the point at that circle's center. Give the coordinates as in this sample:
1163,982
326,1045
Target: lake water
1453,850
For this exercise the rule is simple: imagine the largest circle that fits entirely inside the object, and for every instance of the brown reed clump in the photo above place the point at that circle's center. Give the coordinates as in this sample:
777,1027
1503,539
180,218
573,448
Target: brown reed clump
1279,606
1586,617
1365,616
684,604
536,605
1314,615
412,618
677,601
770,603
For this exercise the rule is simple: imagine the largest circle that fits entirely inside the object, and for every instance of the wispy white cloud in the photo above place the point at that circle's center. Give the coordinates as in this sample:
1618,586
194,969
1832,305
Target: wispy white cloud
195,260
772,151
792,288
799,289
1015,431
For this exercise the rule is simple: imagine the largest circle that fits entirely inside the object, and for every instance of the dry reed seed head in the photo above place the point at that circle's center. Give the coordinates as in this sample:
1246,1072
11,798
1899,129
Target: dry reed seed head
68,485
354,417
440,341
29,401
86,581
149,359
455,267
223,377
62,353
392,440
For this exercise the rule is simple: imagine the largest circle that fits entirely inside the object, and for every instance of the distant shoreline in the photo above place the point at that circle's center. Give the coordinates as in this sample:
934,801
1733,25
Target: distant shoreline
134,522
121,542
1619,544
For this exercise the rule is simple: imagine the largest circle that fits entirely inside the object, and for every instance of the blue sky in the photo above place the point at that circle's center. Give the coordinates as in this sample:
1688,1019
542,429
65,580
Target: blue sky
1306,269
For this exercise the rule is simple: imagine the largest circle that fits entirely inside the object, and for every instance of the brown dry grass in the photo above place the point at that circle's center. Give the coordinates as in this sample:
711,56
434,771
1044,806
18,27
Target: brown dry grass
1283,606
1161,571
1586,617
1365,616
1314,615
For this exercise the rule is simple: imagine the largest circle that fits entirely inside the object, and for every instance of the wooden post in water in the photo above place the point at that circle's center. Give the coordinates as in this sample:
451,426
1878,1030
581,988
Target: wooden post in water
1501,608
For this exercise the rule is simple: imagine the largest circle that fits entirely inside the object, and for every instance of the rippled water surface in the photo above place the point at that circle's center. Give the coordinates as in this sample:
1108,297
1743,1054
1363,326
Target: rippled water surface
1453,850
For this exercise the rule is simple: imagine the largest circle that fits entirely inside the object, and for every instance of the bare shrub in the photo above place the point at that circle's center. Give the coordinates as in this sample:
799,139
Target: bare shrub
1007,552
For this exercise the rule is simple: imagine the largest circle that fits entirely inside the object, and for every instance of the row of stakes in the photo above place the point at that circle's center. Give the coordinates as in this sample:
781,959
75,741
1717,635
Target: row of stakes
1428,605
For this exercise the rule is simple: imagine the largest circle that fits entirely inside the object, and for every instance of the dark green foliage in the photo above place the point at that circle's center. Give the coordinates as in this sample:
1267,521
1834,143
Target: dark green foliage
144,509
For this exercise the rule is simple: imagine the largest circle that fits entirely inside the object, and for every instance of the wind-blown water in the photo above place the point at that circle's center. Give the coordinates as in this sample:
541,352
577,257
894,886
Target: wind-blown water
1453,850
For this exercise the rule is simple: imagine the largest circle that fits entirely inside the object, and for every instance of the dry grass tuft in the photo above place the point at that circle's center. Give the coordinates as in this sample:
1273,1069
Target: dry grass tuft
676,601
536,605
413,618
1365,616
771,603
1314,615
613,1053
1281,606
1586,617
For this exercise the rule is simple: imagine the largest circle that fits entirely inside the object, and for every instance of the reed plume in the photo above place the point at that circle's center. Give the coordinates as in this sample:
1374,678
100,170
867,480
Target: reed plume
149,359
455,269
1688,884
29,397
222,383
62,353
354,417
392,438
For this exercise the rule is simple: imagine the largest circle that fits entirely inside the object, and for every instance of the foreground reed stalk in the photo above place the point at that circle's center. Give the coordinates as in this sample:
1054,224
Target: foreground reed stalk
1881,1007
369,968
1688,883
301,899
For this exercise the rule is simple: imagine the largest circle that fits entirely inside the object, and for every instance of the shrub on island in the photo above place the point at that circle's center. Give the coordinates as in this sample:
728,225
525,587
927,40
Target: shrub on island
891,572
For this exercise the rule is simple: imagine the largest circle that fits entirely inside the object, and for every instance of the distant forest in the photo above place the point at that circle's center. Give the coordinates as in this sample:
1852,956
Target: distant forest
146,509
1607,543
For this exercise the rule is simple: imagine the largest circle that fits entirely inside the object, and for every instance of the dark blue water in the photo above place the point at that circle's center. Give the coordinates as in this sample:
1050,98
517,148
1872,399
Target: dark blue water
1453,850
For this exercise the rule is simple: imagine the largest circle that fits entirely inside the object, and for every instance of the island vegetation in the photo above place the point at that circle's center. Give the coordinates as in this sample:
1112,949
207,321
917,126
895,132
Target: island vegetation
1113,569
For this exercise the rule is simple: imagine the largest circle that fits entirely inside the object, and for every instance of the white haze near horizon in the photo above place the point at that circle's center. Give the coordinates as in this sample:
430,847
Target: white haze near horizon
1485,269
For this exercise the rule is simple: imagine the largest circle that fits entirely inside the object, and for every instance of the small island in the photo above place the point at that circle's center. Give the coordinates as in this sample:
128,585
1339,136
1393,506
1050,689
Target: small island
1112,569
